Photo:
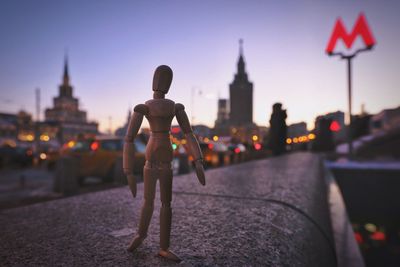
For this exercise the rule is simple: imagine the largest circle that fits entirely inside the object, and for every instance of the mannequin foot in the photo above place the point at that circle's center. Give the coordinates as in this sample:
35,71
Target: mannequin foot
136,242
169,255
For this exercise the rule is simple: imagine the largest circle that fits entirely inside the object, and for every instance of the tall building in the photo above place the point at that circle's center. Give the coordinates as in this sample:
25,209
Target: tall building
241,95
65,115
235,116
66,107
223,113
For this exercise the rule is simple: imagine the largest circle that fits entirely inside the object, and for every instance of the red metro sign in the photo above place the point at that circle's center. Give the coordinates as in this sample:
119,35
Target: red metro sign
339,32
360,29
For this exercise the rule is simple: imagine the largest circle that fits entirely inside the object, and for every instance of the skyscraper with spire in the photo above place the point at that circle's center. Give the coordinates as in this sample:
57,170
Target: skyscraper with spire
66,114
241,94
66,106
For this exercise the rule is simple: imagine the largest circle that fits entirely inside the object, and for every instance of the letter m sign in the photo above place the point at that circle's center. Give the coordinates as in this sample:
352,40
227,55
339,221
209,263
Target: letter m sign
360,29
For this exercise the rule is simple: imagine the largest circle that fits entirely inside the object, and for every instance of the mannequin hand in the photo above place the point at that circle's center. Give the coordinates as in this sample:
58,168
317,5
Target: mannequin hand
132,184
200,171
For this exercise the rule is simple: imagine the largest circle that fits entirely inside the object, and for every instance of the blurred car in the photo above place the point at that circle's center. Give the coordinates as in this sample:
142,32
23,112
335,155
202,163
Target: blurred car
15,156
215,154
99,157
48,155
237,152
181,161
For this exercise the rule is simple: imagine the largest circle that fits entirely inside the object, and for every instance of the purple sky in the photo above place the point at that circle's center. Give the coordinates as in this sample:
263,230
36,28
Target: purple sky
114,47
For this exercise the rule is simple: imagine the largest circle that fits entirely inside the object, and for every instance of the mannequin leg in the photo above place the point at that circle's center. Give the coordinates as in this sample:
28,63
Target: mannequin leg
165,179
150,180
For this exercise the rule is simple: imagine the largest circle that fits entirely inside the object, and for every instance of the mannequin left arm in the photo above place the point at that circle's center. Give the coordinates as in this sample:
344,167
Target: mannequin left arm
193,145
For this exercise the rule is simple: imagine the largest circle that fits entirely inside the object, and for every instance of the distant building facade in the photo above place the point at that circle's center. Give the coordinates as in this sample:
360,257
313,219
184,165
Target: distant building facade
65,119
223,113
297,129
222,122
339,128
8,127
385,120
16,127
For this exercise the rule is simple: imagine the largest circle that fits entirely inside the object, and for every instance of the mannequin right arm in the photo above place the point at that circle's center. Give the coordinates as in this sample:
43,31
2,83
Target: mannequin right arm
129,146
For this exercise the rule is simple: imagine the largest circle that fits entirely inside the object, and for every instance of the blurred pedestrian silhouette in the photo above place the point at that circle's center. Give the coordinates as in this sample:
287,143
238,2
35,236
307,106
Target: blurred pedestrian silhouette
278,129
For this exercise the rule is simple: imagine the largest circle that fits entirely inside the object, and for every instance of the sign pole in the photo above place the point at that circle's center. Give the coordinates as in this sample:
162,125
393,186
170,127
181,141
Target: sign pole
350,128
339,32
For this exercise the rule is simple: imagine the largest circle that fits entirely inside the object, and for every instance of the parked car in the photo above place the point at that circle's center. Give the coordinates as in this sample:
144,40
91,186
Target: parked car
99,157
48,155
15,156
181,163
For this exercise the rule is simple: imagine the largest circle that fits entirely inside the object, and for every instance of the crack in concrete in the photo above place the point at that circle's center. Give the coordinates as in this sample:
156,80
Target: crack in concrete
275,201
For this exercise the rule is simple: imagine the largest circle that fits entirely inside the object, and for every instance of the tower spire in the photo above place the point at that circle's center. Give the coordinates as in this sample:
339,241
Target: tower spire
65,87
241,47
241,64
66,75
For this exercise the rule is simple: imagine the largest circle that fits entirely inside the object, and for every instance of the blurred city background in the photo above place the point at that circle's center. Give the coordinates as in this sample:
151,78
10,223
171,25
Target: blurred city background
254,78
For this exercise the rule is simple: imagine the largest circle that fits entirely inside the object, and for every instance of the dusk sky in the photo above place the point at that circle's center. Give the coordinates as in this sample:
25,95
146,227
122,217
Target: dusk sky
114,46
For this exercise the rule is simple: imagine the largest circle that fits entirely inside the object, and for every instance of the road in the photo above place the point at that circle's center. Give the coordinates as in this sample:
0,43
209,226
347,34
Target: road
23,186
19,187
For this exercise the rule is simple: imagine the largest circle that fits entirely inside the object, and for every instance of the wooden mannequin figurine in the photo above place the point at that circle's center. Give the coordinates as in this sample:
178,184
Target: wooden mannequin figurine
159,154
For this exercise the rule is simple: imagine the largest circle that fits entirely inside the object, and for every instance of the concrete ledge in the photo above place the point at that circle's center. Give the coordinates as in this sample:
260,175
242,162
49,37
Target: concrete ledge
347,250
269,212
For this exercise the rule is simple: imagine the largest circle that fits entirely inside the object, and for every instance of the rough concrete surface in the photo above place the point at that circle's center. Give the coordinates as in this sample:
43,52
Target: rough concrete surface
269,212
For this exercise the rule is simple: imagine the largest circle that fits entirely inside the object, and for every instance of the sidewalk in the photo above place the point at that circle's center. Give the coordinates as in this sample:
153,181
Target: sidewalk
269,212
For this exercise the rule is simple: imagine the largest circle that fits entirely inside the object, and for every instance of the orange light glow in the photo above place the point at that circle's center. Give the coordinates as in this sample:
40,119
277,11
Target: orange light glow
302,139
44,137
71,144
295,140
26,137
288,141
311,136
10,143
